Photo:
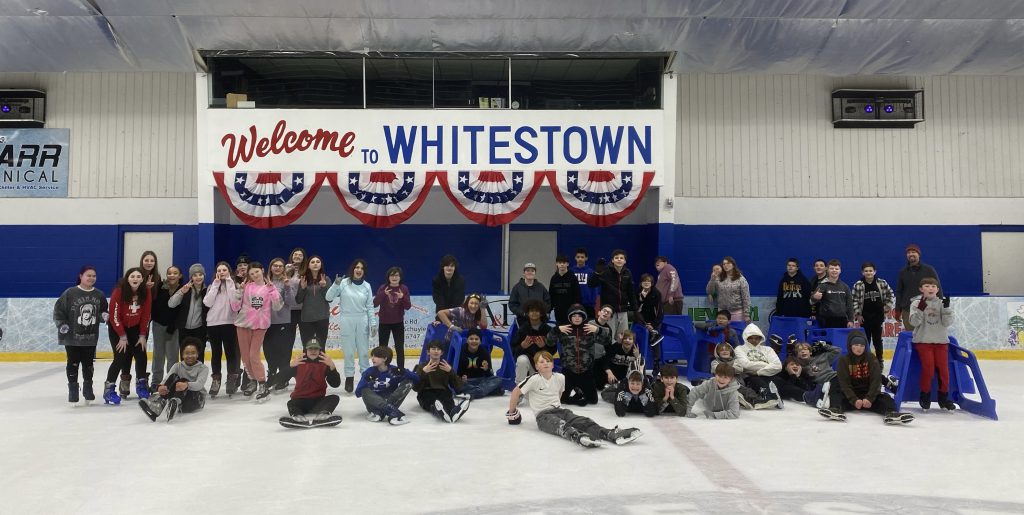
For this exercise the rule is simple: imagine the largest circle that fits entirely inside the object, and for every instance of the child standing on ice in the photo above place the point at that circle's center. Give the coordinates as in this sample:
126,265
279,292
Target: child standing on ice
255,300
77,314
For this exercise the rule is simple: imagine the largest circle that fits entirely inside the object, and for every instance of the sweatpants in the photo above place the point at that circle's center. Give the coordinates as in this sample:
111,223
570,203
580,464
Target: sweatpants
123,359
84,356
933,355
524,368
223,341
583,381
387,406
883,404
250,342
277,347
315,405
165,351
191,400
873,329
480,387
198,332
556,421
427,397
355,338
384,334
318,328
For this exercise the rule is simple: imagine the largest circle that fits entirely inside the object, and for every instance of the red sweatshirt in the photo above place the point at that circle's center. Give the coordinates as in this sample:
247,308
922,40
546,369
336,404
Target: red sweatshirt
311,379
124,315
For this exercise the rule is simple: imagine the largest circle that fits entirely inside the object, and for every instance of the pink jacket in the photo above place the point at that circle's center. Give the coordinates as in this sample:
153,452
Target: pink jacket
254,304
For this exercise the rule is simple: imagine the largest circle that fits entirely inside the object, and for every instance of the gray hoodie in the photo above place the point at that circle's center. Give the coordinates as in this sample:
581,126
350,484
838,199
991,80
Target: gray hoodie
819,366
196,374
931,324
718,402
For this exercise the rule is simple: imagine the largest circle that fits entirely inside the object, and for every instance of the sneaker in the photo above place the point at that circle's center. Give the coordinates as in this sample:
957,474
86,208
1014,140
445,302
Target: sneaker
463,396
215,385
823,402
152,407
439,408
460,410
124,387
773,390
623,436
893,418
398,421
172,408
765,400
892,383
832,415
349,384
656,338
373,417
73,392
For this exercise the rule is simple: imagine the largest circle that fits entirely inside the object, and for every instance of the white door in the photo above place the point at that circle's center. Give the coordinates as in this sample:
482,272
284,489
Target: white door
537,247
162,243
1000,261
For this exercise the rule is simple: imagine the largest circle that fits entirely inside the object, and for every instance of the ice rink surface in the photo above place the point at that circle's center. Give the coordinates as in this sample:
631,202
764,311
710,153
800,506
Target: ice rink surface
233,457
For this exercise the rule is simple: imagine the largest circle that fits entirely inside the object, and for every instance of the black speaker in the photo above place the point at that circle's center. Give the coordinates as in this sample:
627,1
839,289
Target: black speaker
877,108
22,109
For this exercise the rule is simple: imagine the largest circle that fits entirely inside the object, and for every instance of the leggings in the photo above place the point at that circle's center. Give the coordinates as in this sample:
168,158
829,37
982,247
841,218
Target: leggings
933,355
384,334
123,359
308,330
277,347
84,356
223,339
250,341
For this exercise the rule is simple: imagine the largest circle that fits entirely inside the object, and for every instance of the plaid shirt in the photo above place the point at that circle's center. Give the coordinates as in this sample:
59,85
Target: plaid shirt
888,298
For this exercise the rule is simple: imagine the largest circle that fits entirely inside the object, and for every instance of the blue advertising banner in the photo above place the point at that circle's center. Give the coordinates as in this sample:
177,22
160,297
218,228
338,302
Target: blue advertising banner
34,162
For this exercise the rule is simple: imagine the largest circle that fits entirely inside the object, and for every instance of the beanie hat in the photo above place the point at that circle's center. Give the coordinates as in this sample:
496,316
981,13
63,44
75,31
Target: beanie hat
577,309
196,268
242,258
856,338
313,343
913,248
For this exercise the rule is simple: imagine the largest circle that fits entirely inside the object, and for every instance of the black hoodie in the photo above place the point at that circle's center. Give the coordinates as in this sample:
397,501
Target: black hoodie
794,296
860,377
448,294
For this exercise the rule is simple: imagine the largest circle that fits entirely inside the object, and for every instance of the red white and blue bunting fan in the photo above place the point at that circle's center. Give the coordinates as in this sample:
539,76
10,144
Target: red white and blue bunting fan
493,197
382,199
600,197
266,200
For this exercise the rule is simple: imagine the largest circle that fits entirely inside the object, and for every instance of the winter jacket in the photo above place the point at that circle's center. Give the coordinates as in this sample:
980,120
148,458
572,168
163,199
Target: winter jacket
391,309
885,292
189,302
588,294
312,377
668,285
355,300
617,289
578,350
628,402
218,299
437,380
650,309
383,383
819,366
521,293
254,304
860,377
836,300
731,360
315,306
757,359
448,293
794,296
618,360
931,321
286,289
196,375
124,315
678,403
77,314
722,403
732,294
526,333
163,313
909,283
564,292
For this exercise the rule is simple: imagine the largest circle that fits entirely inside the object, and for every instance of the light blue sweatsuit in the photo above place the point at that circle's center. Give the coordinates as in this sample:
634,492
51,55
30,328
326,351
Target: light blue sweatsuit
355,302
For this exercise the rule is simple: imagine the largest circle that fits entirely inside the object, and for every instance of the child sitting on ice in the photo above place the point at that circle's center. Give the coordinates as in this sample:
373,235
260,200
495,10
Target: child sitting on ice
383,387
184,388
437,379
310,406
476,368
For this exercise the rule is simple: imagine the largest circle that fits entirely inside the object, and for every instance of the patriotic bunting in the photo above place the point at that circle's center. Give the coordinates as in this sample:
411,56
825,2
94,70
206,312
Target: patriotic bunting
381,199
493,197
266,200
600,197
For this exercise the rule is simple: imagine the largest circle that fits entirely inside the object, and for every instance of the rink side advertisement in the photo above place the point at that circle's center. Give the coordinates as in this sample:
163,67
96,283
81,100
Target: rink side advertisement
34,162
982,323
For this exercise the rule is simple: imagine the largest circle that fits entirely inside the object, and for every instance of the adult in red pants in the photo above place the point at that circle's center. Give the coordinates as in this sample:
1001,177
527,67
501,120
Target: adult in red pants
931,318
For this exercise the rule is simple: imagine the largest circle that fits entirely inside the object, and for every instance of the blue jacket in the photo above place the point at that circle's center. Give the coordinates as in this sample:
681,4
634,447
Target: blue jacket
383,383
588,295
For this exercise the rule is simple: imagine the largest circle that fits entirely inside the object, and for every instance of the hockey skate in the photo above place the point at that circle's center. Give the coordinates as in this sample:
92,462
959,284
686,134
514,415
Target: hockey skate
142,388
945,403
622,436
832,414
87,393
303,422
172,407
892,418
264,393
232,385
109,395
153,407
248,385
373,417
774,390
73,392
215,385
124,388
583,439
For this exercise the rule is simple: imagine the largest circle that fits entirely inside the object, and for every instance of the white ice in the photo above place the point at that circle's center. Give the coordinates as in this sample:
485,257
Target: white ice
233,457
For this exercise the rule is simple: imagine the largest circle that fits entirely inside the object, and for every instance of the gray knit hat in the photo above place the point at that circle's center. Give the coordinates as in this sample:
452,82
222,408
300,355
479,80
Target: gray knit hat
196,268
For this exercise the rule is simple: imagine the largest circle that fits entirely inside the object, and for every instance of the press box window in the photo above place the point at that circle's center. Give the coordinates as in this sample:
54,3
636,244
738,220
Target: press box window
288,82
630,83
399,83
471,83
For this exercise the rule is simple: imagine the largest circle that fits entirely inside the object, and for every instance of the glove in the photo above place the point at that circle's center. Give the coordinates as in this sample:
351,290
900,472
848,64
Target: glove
819,347
514,418
945,301
646,397
624,396
64,329
923,304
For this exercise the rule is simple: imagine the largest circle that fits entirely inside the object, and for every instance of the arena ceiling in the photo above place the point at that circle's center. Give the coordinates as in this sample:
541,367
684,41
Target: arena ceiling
831,37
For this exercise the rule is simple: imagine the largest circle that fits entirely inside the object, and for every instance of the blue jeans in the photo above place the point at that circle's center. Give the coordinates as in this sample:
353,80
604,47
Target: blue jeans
480,387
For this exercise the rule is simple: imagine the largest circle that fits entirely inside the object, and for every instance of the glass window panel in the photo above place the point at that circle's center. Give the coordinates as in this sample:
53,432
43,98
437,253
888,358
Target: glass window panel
632,83
289,82
399,82
471,83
